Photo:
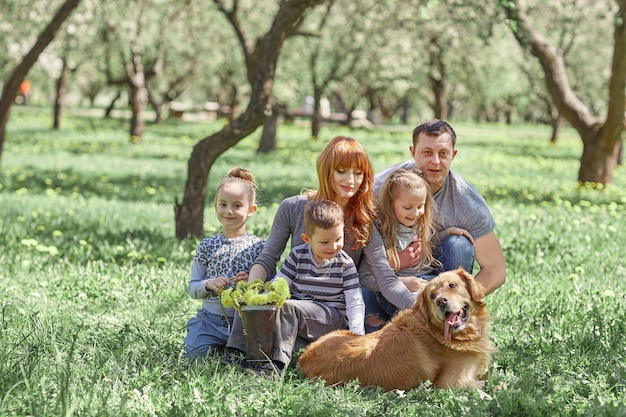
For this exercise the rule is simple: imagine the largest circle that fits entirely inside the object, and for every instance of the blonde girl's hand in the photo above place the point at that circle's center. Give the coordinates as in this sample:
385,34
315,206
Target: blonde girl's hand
413,284
217,284
460,232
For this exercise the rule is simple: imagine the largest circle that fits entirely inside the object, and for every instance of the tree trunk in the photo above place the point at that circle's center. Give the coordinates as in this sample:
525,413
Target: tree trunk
157,107
437,79
316,117
138,94
61,92
600,139
12,84
605,147
138,100
233,103
440,103
270,127
404,116
109,109
557,123
189,214
596,165
92,99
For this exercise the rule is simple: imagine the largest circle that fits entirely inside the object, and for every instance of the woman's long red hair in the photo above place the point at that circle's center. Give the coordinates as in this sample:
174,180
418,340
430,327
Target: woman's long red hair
345,152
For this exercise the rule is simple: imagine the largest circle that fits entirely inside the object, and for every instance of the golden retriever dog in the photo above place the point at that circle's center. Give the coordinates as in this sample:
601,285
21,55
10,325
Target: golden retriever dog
442,339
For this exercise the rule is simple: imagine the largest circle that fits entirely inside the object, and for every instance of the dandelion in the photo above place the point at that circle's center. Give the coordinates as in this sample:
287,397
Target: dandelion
256,293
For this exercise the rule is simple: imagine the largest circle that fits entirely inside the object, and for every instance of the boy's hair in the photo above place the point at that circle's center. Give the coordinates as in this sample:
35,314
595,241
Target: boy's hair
346,152
323,214
243,176
386,221
434,127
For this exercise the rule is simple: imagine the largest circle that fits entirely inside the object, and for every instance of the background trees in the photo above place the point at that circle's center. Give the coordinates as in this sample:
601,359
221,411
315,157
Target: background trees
600,130
394,61
261,56
12,83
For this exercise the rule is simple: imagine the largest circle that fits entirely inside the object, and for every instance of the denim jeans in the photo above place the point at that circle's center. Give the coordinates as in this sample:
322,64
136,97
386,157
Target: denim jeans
205,332
373,308
456,251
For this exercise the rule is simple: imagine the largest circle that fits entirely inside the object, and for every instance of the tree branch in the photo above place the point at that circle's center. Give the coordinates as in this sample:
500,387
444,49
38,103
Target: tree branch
570,106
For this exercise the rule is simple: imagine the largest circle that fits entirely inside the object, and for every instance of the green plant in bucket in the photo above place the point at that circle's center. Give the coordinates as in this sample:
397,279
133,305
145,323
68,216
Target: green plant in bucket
256,293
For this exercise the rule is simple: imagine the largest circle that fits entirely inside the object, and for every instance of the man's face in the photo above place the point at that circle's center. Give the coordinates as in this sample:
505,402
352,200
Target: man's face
433,155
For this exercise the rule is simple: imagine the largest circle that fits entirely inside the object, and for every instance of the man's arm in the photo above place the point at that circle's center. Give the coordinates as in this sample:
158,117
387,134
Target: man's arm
489,256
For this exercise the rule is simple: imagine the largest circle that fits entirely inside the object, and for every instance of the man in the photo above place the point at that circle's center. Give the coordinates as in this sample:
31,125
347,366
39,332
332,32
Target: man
459,205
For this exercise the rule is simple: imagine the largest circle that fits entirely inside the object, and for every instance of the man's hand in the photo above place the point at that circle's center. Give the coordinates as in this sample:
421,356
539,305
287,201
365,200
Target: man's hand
410,256
460,232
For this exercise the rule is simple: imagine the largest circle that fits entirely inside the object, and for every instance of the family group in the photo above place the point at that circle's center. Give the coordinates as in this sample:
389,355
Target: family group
362,246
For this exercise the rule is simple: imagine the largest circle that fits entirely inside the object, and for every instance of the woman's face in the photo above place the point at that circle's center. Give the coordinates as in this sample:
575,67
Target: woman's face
345,183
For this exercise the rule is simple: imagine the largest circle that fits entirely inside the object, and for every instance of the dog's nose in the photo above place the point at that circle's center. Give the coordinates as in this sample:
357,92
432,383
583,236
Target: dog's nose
441,301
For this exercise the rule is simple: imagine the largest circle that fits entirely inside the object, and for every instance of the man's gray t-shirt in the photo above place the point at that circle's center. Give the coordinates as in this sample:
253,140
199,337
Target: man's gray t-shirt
458,203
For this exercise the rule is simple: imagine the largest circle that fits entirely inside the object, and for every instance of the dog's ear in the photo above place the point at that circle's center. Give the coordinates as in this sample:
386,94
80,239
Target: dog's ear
475,288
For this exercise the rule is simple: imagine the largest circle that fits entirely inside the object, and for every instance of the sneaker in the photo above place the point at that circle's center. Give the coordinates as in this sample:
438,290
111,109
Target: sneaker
268,370
373,323
234,357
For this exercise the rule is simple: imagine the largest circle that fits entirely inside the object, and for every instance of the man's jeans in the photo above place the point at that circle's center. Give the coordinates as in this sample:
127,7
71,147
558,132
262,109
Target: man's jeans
456,251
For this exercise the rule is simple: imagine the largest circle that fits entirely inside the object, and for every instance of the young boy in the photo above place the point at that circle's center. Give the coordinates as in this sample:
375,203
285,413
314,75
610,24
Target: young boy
324,285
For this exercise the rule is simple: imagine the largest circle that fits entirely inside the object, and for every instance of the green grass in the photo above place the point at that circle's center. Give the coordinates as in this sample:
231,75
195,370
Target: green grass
93,282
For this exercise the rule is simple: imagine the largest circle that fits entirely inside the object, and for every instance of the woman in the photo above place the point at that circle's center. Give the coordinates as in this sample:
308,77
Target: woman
345,176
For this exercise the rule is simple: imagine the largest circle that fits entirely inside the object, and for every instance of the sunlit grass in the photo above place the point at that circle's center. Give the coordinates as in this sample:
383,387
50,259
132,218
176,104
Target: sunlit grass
94,283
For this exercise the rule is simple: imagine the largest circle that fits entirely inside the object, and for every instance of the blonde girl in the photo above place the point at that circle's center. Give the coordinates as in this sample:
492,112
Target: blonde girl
407,214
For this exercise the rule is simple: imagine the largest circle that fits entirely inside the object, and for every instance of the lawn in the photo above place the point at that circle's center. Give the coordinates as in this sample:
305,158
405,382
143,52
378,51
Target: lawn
93,282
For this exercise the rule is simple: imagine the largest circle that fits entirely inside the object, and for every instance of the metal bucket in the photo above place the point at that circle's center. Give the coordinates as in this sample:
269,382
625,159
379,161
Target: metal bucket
258,330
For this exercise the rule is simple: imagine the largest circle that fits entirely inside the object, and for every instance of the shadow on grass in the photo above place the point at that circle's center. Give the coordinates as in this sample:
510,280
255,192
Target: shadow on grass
575,196
149,188
527,150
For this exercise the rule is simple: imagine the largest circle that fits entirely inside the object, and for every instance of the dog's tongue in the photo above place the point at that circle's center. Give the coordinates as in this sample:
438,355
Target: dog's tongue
452,320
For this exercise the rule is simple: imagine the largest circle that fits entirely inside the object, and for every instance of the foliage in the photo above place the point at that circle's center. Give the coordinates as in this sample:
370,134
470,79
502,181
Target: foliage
93,281
256,293
197,56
